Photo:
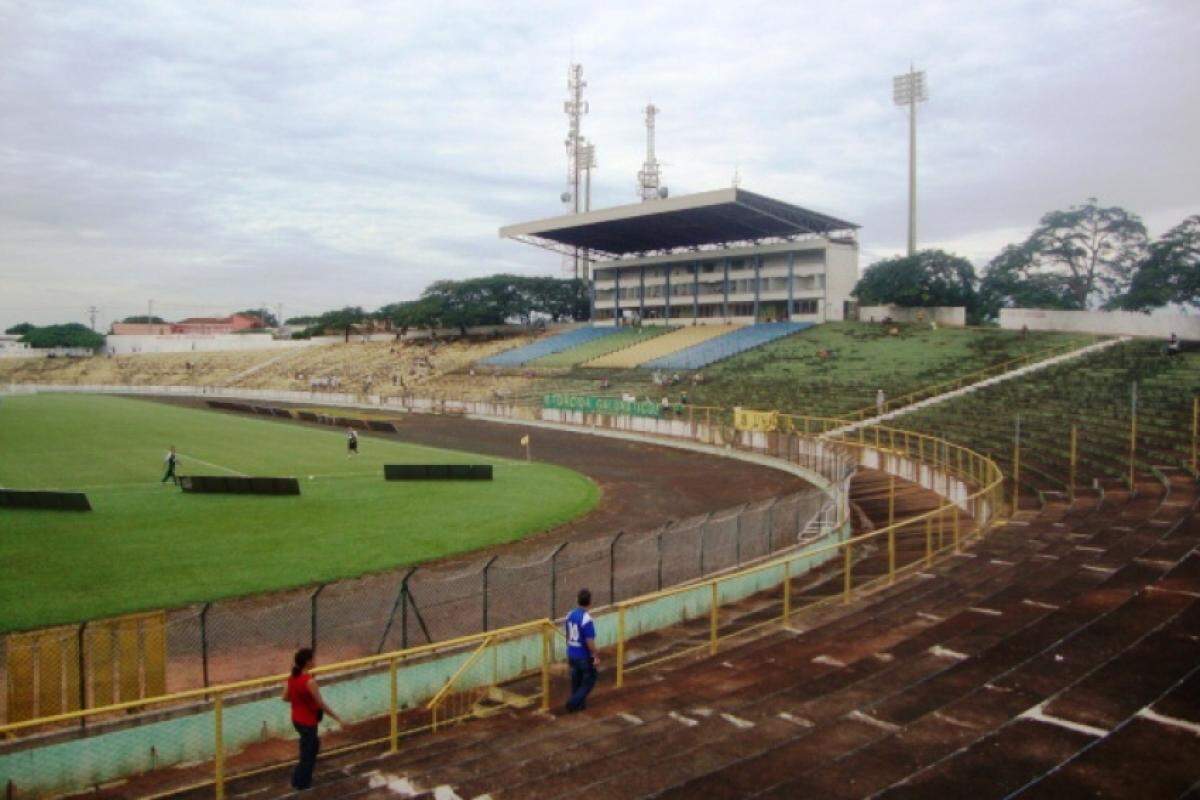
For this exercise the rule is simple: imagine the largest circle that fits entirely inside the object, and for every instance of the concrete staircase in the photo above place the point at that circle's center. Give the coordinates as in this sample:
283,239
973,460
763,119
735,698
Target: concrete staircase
1007,376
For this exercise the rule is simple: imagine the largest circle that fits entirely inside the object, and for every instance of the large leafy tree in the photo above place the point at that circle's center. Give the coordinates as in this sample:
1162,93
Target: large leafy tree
145,319
1093,250
926,278
1012,280
70,335
1171,272
20,329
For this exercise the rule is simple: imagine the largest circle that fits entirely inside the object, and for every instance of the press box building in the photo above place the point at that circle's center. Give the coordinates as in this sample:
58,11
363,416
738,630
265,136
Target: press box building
722,256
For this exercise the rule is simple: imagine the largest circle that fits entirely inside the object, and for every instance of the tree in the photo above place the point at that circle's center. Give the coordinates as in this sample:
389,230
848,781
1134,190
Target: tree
1094,250
308,320
927,278
142,319
1171,272
343,319
268,319
422,313
1011,280
20,329
70,335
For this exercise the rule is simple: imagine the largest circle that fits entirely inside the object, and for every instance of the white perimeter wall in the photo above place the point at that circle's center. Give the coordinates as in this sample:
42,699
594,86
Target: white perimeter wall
124,345
1127,323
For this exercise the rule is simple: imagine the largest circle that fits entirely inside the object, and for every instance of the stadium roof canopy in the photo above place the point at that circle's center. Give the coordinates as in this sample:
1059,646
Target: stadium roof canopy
687,222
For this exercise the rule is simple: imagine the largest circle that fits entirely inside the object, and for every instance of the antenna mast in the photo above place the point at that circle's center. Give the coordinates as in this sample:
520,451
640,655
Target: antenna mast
580,155
650,174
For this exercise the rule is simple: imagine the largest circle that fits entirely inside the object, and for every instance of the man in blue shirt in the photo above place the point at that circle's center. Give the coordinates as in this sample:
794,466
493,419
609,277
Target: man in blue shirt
581,652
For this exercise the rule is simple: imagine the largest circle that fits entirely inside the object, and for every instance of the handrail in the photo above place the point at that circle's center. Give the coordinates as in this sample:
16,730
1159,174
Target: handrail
378,660
437,698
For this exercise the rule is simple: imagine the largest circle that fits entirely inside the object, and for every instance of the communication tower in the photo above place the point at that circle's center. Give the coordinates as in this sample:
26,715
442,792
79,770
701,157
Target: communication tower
580,157
650,175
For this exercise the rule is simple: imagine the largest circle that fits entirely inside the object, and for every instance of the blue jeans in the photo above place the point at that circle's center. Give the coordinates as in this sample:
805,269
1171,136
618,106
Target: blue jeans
583,678
310,745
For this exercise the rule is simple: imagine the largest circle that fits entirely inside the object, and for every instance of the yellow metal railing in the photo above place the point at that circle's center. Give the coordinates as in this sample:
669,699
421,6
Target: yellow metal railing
936,531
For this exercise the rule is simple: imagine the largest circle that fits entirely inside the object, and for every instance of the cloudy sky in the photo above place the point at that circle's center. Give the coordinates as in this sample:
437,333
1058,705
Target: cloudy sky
210,156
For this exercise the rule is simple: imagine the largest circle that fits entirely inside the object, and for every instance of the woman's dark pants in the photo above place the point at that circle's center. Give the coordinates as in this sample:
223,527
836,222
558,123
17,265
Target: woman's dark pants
310,745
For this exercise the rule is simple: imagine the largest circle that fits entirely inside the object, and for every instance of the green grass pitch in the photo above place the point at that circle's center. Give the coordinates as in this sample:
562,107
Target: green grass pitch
147,545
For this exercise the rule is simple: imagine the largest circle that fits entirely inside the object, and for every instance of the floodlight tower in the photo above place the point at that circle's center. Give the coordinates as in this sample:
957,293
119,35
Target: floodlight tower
575,107
908,90
650,174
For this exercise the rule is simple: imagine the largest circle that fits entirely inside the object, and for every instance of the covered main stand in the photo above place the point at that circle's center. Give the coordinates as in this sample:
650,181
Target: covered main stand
718,218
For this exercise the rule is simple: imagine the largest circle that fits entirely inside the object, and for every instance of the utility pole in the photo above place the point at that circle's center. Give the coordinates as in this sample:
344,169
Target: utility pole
908,90
92,310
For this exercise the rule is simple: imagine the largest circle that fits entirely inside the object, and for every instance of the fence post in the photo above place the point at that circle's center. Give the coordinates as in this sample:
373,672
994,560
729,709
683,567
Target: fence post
1074,456
1195,429
204,643
612,567
394,708
954,511
486,567
891,499
620,646
1133,401
891,554
218,747
712,622
554,580
1016,467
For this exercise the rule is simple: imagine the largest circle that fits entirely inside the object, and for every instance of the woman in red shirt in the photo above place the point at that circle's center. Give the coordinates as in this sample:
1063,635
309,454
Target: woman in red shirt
307,711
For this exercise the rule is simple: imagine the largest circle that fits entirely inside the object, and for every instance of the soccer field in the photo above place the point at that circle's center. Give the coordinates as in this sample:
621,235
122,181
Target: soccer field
147,545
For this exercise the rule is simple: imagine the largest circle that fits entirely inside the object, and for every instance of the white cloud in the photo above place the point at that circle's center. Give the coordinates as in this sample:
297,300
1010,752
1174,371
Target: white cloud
219,155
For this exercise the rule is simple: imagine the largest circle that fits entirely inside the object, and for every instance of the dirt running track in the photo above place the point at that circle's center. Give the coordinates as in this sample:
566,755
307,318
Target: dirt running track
642,486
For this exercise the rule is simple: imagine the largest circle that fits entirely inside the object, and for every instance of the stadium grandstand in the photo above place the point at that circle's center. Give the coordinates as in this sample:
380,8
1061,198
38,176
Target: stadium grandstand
724,256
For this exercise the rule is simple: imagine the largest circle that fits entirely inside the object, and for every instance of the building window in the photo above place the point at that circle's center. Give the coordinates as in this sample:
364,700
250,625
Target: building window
806,307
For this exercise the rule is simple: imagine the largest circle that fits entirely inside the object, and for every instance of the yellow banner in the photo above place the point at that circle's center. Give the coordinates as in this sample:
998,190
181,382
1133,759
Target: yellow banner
746,420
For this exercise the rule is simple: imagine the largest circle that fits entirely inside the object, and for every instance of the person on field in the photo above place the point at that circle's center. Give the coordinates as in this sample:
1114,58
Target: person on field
308,709
581,652
171,459
351,442
880,401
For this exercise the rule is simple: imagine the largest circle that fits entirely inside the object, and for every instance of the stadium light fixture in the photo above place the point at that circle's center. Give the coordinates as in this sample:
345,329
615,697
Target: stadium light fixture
908,90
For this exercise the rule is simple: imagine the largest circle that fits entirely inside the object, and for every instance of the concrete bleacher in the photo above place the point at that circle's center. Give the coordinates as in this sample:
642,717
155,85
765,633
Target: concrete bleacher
619,340
1058,657
1093,393
543,347
678,339
730,344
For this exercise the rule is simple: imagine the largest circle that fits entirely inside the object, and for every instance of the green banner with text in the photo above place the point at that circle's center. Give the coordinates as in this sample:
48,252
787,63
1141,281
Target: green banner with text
601,405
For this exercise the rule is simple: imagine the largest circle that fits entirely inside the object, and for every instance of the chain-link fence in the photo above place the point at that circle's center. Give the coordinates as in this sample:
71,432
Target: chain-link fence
241,638
230,640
